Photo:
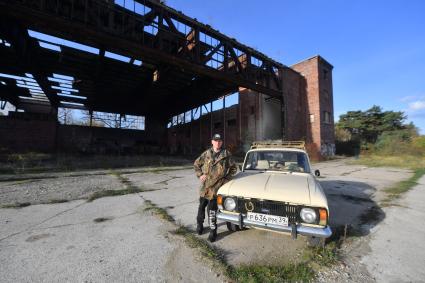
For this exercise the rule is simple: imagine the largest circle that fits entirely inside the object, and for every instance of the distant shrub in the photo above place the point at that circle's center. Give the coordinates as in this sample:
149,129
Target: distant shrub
342,135
400,142
419,142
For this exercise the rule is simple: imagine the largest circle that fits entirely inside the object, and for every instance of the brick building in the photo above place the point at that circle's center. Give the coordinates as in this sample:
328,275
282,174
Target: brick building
307,114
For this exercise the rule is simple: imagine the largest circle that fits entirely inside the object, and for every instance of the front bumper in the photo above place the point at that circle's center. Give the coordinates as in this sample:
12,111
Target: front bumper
294,230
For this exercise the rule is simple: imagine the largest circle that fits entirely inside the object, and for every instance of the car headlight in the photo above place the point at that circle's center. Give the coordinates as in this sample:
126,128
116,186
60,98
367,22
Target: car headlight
229,204
308,215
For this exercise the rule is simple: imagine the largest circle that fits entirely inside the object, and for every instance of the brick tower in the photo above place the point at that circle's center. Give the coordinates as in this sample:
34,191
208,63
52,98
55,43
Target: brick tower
316,75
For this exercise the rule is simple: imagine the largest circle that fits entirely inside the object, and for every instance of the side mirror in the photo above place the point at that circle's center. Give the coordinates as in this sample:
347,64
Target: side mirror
240,167
317,173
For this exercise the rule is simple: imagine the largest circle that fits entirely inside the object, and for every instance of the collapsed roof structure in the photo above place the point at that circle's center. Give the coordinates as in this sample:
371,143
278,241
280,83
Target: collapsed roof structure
143,58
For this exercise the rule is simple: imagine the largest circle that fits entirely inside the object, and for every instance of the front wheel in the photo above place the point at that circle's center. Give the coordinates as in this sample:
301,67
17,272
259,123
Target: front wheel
316,241
232,227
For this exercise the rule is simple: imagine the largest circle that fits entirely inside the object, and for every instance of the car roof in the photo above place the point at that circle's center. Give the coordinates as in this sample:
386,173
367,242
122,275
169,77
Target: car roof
278,149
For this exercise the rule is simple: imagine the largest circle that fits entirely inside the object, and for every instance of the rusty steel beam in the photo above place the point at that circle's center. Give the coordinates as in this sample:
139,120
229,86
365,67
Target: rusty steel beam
62,20
26,50
10,93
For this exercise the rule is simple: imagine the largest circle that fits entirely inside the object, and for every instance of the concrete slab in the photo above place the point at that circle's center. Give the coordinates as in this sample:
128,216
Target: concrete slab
66,188
36,238
63,242
398,245
248,246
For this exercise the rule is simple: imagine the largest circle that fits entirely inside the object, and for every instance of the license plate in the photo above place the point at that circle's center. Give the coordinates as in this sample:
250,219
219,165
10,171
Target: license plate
267,219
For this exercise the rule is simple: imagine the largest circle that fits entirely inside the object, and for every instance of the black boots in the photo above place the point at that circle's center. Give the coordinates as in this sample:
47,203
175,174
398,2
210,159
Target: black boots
212,236
199,228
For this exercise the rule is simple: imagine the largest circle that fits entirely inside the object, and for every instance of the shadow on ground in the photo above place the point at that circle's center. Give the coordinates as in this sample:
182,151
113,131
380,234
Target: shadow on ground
352,210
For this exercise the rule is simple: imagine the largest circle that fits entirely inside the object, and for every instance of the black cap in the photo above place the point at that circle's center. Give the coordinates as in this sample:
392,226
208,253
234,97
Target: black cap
217,137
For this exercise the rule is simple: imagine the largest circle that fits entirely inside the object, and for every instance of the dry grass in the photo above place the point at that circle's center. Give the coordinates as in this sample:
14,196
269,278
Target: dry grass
400,161
304,271
111,193
414,163
398,189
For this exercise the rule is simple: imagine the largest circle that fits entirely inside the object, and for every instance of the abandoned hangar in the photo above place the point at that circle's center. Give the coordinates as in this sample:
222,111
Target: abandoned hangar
144,61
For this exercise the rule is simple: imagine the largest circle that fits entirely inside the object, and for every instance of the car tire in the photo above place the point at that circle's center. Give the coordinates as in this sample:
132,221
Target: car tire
316,241
232,227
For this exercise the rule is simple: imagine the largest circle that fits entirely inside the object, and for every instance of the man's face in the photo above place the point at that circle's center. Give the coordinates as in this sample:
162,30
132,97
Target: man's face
216,144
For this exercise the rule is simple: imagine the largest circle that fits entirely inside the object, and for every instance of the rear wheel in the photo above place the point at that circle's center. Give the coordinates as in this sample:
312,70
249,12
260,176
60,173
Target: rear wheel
232,227
316,241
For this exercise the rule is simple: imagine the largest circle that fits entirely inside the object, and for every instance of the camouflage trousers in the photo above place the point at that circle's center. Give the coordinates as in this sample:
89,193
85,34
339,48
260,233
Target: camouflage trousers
212,208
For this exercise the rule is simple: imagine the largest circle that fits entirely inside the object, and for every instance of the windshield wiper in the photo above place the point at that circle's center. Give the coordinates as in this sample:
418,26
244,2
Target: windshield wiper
257,170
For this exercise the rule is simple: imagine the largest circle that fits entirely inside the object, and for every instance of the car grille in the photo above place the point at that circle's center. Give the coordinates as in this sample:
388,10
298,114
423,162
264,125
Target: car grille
271,207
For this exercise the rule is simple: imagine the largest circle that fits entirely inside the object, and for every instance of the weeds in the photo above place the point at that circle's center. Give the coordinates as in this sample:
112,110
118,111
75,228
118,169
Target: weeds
111,193
304,271
195,242
129,188
15,205
25,204
322,256
124,180
289,273
301,272
403,186
57,201
162,213
415,163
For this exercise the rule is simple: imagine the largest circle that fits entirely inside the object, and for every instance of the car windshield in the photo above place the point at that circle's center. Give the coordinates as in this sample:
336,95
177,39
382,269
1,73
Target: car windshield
291,161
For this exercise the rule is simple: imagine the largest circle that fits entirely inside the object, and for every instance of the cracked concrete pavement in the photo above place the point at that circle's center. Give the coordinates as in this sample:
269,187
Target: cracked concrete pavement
398,245
63,242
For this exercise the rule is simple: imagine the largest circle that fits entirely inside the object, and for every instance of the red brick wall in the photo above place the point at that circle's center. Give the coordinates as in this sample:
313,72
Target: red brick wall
24,132
309,70
306,89
73,138
295,99
319,95
326,101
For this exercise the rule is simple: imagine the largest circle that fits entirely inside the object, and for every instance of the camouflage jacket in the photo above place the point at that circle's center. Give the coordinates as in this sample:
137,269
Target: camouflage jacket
218,171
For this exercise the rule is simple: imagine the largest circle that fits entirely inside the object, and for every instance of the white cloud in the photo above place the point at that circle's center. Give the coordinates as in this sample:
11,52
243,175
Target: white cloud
408,98
417,105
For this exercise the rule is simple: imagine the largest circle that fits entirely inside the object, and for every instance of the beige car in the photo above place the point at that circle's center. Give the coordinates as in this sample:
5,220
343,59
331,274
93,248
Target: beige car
276,191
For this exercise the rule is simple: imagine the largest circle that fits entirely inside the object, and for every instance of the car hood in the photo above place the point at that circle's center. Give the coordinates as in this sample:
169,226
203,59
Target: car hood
295,188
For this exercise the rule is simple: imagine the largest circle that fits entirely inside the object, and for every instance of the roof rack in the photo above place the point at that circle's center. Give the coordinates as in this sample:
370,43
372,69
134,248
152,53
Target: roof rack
278,143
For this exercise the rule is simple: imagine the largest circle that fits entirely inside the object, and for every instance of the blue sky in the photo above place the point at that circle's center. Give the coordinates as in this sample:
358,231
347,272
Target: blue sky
377,48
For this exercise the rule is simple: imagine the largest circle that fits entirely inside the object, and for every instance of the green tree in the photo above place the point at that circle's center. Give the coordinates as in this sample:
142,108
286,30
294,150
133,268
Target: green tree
368,125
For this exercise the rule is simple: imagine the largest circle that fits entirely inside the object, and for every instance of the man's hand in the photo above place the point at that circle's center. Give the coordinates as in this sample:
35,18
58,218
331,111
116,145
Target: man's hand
203,178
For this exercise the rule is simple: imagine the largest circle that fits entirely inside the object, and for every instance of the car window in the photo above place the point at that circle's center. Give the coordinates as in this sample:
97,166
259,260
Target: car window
277,160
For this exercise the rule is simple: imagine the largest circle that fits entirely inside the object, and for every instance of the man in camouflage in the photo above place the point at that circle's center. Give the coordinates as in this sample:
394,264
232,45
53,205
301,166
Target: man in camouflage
214,168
